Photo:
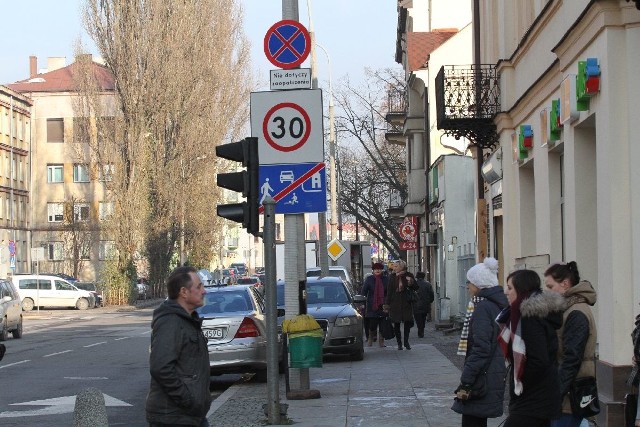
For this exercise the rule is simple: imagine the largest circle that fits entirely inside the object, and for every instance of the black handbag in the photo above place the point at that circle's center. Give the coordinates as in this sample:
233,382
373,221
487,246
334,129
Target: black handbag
583,395
630,409
387,328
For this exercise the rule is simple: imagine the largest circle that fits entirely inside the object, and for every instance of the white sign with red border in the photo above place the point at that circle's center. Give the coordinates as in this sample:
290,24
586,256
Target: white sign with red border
288,125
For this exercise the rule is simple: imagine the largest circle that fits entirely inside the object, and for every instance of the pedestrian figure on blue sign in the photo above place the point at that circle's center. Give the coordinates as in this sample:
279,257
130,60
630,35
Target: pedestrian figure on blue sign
265,190
294,200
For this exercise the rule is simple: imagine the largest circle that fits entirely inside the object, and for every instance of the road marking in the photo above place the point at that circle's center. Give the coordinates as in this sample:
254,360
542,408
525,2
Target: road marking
146,333
85,378
95,344
123,338
15,363
55,406
60,352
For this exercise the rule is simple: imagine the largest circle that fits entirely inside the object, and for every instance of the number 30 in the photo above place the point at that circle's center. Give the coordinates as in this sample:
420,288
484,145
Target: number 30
296,127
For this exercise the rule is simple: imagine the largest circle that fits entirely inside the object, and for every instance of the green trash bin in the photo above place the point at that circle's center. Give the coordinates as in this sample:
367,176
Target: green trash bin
305,349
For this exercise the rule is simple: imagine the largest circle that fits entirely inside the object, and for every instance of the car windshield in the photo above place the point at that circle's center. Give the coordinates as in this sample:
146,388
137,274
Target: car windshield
226,302
323,293
319,293
332,273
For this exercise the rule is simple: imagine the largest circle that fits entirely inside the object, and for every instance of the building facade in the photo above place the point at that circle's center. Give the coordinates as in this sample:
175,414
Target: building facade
69,198
567,151
15,184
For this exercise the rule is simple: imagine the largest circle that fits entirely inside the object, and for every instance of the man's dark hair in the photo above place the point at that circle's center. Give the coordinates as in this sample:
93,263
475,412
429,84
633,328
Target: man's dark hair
420,275
179,278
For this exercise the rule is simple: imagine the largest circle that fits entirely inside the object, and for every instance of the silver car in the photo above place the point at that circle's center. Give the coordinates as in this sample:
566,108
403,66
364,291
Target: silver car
10,311
234,322
331,303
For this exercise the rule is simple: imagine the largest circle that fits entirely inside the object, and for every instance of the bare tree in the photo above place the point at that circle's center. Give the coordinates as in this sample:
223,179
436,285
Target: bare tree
371,170
182,82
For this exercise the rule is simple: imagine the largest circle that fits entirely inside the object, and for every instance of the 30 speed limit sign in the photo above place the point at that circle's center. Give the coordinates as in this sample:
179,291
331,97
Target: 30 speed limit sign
288,125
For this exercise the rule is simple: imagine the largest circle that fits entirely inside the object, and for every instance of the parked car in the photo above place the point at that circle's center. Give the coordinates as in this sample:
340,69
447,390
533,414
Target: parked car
64,276
50,291
253,280
332,304
10,311
143,289
234,323
91,287
334,271
259,270
241,268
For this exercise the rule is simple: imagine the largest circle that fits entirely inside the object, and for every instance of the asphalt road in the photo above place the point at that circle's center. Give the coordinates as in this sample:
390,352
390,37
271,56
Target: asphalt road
63,352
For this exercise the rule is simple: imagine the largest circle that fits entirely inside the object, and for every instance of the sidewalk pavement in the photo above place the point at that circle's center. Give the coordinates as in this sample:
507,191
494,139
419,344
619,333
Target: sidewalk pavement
389,387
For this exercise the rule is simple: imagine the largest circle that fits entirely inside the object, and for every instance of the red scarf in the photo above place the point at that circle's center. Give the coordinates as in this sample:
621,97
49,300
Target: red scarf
510,336
378,292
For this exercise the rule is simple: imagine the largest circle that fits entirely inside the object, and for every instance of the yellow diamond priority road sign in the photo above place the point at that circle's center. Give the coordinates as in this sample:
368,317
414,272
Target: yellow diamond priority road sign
335,249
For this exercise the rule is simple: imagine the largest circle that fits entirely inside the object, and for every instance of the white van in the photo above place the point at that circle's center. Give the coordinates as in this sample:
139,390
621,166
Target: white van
50,291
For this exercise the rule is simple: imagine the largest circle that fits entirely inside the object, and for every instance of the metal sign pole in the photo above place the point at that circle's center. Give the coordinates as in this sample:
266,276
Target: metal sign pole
269,240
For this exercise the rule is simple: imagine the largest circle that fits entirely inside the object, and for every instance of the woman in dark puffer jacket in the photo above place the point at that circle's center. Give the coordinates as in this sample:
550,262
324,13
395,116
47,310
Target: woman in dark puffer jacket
529,342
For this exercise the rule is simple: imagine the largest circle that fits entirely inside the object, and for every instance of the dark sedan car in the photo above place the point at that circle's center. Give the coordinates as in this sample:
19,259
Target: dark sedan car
333,306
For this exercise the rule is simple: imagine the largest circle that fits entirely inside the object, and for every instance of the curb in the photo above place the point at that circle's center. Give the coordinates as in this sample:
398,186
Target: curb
222,399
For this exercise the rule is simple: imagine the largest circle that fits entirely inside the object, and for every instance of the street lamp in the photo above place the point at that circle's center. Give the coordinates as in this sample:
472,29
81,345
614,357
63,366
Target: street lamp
332,151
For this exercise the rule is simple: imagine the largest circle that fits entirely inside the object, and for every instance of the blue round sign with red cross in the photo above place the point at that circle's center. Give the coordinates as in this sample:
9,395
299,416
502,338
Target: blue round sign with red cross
287,44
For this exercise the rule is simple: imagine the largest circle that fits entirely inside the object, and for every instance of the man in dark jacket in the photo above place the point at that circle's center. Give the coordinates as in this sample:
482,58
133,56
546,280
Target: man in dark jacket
179,360
422,306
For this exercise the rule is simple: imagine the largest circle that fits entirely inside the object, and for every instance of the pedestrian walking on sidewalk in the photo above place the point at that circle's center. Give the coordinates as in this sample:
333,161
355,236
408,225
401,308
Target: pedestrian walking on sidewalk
400,291
422,306
179,360
528,339
375,289
577,336
480,394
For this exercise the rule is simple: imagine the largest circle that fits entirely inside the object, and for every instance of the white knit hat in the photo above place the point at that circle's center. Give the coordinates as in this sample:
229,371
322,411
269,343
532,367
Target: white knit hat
485,274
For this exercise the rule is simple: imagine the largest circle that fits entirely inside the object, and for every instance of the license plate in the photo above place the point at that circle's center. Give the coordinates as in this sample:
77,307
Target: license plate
215,333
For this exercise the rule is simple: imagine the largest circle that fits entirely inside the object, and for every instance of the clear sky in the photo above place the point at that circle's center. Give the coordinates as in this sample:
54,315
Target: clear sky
355,33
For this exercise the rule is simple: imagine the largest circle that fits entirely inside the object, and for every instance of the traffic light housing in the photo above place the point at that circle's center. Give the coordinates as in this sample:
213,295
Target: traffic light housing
245,182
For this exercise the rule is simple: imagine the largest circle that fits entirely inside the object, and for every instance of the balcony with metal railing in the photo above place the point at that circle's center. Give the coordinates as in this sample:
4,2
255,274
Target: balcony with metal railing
397,107
467,100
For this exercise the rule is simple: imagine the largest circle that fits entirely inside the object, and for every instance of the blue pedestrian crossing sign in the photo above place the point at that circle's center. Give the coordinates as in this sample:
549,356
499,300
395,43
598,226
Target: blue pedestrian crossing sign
296,188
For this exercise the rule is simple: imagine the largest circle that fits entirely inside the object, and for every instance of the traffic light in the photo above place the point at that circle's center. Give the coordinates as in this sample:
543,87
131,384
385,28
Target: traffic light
245,182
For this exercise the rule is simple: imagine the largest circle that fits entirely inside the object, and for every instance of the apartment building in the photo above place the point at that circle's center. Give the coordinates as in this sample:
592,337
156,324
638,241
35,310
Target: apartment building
15,152
69,197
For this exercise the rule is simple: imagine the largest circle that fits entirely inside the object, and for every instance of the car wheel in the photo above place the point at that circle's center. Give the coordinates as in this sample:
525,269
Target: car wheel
3,329
27,304
261,376
82,304
358,355
17,332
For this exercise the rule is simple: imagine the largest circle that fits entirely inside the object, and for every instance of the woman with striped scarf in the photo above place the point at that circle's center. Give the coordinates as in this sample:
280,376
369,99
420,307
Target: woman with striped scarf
529,342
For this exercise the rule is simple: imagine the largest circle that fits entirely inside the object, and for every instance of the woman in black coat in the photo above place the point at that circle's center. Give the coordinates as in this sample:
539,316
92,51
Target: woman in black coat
528,339
398,302
484,362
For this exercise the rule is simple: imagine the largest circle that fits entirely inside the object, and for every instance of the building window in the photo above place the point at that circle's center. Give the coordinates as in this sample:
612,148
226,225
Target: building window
55,251
105,210
81,212
80,173
55,173
107,250
106,172
55,130
55,212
